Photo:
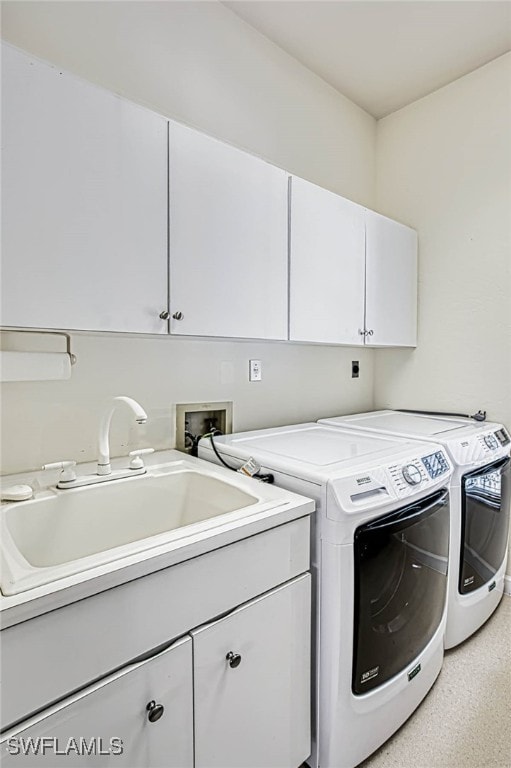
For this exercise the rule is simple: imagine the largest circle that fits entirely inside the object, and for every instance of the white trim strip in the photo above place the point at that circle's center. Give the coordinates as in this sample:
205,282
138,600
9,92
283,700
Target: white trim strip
507,585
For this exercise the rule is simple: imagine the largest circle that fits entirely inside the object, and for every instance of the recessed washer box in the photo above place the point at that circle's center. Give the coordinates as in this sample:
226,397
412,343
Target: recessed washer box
199,418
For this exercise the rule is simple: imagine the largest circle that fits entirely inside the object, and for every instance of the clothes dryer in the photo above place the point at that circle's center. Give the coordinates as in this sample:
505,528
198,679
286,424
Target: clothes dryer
480,506
379,566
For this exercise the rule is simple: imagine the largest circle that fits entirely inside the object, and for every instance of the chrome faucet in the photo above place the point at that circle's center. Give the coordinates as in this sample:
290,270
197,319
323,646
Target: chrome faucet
104,467
68,477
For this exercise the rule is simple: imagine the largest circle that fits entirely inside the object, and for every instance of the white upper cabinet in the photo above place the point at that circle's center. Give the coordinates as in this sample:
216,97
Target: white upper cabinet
228,240
391,283
84,204
98,194
353,272
327,265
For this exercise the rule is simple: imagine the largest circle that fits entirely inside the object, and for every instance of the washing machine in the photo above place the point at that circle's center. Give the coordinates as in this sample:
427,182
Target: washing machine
480,506
379,566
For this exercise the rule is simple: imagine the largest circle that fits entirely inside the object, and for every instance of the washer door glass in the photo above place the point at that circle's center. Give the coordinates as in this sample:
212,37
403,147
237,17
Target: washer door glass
400,589
484,524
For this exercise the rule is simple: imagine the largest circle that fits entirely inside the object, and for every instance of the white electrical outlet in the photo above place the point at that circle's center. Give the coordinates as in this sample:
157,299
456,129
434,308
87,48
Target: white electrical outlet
255,370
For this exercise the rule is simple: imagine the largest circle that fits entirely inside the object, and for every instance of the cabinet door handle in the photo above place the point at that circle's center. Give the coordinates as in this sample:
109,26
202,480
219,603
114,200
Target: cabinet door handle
164,315
234,659
370,333
154,711
362,332
178,315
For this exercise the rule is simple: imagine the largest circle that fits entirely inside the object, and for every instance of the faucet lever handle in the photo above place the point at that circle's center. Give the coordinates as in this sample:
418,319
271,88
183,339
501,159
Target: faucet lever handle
136,460
68,474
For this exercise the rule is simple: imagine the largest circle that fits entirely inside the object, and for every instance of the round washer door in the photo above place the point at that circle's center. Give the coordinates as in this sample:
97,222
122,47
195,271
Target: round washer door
400,588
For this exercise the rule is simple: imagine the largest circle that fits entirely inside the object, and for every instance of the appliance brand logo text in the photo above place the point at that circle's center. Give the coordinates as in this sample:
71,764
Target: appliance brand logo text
370,674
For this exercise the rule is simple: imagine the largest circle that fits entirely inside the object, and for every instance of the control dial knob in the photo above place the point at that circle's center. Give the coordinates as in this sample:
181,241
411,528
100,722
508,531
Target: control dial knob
491,442
411,474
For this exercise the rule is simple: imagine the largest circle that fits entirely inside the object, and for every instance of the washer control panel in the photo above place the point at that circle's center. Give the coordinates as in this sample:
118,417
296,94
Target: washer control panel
491,442
411,474
502,436
419,471
436,464
486,445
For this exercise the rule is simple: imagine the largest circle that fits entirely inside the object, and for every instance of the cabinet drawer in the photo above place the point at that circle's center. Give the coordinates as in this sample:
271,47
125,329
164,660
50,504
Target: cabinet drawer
116,711
253,709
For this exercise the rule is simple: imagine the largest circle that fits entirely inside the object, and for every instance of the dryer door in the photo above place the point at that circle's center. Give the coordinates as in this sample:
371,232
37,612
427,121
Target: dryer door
486,497
400,588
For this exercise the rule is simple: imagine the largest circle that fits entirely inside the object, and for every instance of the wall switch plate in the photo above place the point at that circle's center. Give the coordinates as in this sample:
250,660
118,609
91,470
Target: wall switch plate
355,369
255,370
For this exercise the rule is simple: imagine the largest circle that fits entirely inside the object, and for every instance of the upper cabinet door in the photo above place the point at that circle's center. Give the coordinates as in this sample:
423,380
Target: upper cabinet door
326,266
228,240
391,282
84,242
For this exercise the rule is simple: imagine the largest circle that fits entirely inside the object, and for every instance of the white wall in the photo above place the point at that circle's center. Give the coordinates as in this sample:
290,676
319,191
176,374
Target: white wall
444,167
201,64
50,421
198,63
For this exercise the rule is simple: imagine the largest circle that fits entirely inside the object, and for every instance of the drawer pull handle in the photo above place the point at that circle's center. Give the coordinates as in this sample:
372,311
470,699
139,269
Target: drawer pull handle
155,711
234,659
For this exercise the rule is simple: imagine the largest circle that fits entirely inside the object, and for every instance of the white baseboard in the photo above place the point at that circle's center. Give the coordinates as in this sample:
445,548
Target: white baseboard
507,585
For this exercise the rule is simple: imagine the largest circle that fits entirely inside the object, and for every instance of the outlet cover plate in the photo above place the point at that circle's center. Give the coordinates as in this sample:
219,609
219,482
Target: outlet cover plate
255,370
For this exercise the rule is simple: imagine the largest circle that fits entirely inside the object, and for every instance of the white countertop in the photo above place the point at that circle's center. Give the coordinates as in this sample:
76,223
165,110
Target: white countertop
275,508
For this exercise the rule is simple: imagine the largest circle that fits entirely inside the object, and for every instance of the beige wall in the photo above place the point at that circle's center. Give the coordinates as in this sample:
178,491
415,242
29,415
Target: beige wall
199,63
49,421
444,167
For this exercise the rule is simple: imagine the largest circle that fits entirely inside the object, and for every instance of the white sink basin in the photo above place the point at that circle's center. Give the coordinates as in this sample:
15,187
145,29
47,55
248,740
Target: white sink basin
65,532
75,524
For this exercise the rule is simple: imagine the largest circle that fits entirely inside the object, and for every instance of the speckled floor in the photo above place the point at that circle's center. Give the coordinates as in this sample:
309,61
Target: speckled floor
465,721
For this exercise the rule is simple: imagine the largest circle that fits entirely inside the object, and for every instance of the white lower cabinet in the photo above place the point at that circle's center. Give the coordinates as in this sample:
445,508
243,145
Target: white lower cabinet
234,693
252,683
141,717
